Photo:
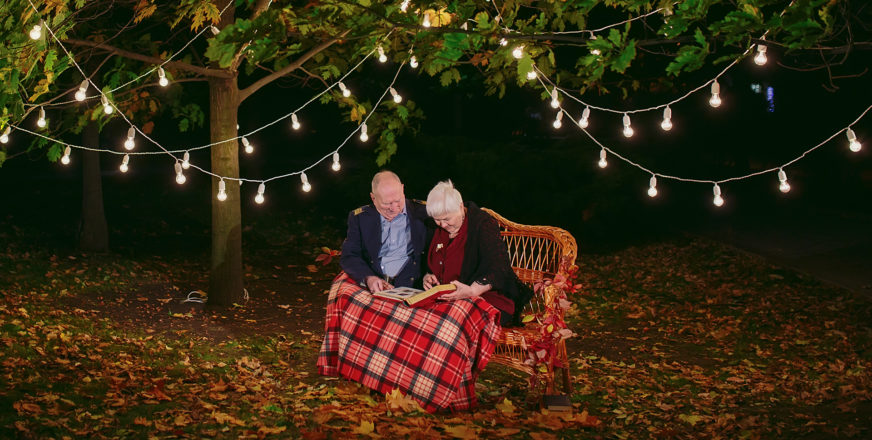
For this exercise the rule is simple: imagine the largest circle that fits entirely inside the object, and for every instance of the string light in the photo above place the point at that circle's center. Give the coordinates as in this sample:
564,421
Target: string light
426,22
124,163
397,98
718,200
715,100
4,138
106,107
760,58
214,29
594,51
129,144
628,131
260,190
518,52
404,5
248,147
531,75
558,120
585,118
305,180
504,42
363,136
381,54
180,178
41,121
222,190
36,32
65,159
336,166
853,144
555,98
413,62
345,92
666,125
782,179
162,77
652,186
186,160
83,88
602,162
295,123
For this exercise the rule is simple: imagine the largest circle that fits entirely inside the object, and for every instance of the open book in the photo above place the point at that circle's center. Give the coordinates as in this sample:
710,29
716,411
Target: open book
416,297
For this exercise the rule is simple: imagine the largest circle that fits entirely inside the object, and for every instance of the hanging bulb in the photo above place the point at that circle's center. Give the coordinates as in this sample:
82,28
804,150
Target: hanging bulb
715,100
397,98
404,5
295,123
336,166
180,178
186,160
602,162
65,159
782,179
413,62
305,180
248,147
652,186
4,138
83,88
518,52
628,131
558,120
363,136
426,22
585,118
40,122
853,144
260,190
162,77
214,29
666,125
345,92
504,42
760,58
381,55
718,200
555,95
124,163
222,191
531,75
36,32
594,51
129,144
108,109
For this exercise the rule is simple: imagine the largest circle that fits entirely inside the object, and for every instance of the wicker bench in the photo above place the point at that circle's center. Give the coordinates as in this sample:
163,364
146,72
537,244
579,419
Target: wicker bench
536,253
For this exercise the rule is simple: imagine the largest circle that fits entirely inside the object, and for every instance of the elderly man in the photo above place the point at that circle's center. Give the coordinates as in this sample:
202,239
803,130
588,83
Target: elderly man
387,239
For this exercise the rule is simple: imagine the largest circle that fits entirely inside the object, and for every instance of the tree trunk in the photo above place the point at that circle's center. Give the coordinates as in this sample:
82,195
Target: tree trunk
93,231
225,281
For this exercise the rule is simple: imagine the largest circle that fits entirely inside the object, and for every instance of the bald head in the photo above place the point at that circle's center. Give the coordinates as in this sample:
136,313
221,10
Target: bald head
387,194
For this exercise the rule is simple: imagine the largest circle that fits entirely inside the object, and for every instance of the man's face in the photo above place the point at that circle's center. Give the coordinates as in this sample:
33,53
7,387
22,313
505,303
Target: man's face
389,199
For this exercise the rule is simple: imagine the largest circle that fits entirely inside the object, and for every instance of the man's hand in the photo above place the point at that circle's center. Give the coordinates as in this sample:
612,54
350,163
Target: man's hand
376,284
430,280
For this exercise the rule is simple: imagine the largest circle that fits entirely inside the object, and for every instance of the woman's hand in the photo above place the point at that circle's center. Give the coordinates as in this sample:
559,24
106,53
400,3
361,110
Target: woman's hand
430,280
465,291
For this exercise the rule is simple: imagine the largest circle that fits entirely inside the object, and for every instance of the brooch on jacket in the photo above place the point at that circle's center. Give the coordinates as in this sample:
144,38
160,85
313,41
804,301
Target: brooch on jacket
438,246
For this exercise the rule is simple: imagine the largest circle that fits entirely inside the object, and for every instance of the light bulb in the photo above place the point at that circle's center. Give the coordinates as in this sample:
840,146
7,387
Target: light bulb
259,197
760,58
715,100
295,123
504,42
129,144
652,186
602,162
336,166
36,32
718,200
4,138
162,77
248,147
531,75
426,22
783,186
518,52
124,163
397,98
381,55
594,51
66,157
83,89
106,107
585,118
305,180
180,178
222,191
853,144
345,92
413,62
186,160
41,121
214,29
404,5
555,95
628,131
666,125
363,136
558,120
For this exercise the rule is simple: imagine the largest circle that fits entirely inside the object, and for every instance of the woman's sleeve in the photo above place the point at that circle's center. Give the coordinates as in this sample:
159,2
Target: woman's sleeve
494,267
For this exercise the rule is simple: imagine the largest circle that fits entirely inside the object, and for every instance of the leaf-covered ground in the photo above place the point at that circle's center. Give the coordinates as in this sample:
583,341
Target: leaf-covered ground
680,339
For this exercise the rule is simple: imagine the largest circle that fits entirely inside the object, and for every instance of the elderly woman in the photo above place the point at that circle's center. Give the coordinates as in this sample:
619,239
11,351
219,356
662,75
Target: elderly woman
468,252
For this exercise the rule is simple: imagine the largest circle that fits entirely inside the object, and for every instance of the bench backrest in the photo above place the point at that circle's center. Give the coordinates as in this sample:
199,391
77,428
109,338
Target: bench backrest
536,252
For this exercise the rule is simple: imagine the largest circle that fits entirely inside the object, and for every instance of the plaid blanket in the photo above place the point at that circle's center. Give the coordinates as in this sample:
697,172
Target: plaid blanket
432,354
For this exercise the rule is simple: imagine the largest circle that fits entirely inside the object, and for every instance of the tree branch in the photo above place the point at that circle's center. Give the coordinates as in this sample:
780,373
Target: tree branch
217,73
248,91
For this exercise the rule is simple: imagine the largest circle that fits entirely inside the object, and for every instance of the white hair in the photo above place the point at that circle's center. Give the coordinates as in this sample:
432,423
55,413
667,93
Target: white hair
444,199
382,176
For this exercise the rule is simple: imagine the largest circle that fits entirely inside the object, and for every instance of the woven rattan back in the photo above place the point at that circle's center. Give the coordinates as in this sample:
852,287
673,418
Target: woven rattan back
536,252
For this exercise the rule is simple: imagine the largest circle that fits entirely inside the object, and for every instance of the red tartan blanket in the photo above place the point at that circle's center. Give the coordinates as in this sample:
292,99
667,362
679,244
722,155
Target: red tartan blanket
433,354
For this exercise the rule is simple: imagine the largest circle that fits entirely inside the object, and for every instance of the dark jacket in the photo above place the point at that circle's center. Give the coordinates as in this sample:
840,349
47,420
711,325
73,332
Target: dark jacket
362,243
486,259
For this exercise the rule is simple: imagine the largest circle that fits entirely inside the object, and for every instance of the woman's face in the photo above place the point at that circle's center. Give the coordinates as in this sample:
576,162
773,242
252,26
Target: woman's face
450,222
